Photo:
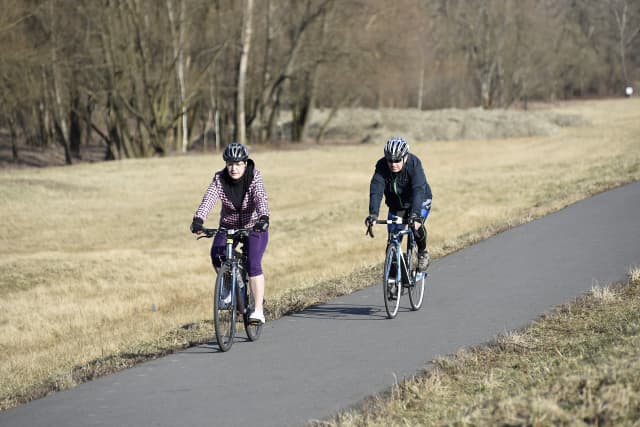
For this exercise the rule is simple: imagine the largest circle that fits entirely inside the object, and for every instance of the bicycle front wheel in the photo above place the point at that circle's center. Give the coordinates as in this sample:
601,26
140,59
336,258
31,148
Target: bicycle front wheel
224,312
416,287
390,282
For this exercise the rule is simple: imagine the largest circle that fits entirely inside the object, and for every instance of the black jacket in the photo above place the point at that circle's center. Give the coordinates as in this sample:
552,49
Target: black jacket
407,189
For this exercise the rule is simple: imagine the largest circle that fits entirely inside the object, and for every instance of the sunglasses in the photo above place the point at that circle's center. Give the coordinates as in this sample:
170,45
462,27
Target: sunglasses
394,160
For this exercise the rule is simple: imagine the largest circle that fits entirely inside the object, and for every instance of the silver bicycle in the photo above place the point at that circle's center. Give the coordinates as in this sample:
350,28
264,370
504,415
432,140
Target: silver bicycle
400,268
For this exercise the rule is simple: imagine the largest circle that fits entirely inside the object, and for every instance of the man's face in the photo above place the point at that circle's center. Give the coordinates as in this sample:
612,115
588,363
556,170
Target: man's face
396,166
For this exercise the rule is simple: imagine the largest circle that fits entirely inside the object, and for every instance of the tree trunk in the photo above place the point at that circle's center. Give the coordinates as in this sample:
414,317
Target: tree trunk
242,72
178,51
14,139
421,85
62,130
75,128
266,74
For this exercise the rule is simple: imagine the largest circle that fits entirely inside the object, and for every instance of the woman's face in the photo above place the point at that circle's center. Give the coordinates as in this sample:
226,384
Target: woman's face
236,169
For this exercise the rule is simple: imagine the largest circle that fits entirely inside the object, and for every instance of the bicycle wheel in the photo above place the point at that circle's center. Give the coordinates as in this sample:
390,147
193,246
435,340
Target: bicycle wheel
252,329
390,286
416,288
224,312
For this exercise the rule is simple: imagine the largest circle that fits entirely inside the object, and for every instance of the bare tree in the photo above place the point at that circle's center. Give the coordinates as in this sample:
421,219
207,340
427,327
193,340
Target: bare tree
143,77
627,20
178,51
247,29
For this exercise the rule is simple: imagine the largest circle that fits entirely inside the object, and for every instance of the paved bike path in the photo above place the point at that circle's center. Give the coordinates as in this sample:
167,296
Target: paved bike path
312,364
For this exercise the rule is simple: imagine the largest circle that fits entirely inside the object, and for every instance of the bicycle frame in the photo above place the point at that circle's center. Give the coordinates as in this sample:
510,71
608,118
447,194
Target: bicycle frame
233,262
395,239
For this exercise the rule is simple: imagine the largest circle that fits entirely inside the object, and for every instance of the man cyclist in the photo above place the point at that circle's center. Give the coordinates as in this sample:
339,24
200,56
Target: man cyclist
240,189
400,177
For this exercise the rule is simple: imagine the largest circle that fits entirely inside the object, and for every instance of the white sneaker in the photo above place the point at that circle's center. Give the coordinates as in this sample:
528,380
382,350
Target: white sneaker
423,261
225,298
256,317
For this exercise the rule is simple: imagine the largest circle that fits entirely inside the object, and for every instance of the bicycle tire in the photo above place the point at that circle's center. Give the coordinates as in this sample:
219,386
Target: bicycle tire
391,288
416,288
252,329
224,315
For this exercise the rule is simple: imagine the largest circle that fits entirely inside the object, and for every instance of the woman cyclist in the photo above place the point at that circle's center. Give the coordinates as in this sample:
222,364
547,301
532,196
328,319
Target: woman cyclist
400,177
240,189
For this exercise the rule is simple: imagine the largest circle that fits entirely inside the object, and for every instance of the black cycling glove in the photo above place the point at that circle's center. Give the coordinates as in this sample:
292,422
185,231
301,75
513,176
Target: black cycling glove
196,225
370,220
262,224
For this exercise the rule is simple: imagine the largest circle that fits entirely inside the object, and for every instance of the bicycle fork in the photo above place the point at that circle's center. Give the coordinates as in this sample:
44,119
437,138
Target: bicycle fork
397,262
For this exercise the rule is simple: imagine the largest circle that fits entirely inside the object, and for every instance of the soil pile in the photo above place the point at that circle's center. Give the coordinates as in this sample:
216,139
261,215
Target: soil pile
441,125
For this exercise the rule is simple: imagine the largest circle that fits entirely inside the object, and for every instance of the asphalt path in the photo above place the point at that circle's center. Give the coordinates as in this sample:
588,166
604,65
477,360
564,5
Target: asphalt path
312,364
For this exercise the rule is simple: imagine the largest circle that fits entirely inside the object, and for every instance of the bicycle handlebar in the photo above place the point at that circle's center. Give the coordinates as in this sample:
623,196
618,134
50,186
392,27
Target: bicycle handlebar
396,220
210,232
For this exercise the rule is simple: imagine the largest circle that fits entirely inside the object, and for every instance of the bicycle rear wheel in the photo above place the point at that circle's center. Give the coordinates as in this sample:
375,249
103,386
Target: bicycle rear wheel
252,329
390,286
416,289
224,312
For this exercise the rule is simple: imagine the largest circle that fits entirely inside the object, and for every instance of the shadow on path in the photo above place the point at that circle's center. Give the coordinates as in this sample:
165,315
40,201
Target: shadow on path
345,312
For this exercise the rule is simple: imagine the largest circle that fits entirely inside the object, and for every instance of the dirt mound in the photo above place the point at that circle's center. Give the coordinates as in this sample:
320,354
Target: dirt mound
451,124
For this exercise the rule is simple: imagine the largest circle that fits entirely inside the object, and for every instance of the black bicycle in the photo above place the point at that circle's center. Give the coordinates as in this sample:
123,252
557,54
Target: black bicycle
232,296
400,269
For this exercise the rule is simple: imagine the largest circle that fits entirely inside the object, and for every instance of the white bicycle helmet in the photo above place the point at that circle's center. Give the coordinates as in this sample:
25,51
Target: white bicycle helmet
395,149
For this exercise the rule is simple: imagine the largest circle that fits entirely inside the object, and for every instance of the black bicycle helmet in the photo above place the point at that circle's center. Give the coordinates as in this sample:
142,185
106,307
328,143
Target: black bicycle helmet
235,152
395,149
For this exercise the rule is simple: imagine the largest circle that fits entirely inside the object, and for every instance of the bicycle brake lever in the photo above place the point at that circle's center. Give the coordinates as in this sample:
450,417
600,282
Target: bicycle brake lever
369,231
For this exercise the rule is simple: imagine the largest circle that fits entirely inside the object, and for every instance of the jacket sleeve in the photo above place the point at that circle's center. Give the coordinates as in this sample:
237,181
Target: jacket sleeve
376,190
420,189
211,196
260,195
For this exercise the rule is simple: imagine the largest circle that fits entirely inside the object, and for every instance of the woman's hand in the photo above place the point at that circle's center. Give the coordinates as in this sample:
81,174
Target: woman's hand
196,225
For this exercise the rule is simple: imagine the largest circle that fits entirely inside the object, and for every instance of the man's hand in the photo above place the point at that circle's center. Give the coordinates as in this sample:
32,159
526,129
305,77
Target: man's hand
370,220
196,225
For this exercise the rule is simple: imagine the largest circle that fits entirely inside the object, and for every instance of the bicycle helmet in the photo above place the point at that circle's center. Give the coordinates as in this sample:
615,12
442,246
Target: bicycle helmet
235,152
395,149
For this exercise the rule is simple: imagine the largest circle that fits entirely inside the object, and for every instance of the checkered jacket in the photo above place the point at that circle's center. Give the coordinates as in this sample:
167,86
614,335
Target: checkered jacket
254,203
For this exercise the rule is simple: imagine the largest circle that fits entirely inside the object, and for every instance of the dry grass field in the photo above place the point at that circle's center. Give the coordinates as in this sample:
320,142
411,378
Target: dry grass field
86,251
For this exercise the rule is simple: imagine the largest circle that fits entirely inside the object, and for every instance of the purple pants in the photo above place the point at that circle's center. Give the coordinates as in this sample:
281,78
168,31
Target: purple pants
256,244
